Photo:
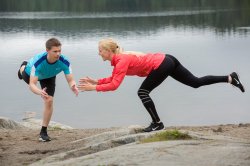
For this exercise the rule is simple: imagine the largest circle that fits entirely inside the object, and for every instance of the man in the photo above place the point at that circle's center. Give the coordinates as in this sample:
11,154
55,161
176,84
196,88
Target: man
43,68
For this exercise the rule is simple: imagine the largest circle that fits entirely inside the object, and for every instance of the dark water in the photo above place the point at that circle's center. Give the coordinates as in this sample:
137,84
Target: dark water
207,36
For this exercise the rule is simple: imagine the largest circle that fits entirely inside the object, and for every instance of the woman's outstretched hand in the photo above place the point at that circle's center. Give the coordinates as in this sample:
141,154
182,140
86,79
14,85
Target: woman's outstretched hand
88,80
86,86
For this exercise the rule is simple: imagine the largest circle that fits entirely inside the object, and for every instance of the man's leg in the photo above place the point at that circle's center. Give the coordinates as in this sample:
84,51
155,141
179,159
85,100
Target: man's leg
48,106
48,110
48,103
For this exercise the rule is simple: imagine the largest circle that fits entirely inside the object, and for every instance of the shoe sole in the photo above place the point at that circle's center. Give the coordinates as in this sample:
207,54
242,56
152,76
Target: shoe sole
154,130
243,88
19,75
42,140
158,129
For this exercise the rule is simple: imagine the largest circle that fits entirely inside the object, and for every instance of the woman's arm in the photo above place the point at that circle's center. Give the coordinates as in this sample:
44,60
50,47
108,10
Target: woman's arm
118,74
113,82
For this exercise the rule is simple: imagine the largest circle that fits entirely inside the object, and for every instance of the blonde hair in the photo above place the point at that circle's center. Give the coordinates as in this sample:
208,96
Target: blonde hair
110,45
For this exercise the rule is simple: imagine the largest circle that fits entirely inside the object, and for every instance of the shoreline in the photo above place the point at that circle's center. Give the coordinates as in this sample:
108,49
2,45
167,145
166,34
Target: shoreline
21,146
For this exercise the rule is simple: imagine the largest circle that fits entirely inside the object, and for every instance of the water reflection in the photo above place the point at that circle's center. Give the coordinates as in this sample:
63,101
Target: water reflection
88,17
72,15
65,24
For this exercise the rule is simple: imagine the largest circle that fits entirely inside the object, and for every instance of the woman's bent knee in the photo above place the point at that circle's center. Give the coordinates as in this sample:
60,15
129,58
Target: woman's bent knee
195,86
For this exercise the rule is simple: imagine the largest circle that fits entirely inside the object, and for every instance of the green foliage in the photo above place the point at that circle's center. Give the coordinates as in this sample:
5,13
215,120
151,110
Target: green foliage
117,5
167,135
55,128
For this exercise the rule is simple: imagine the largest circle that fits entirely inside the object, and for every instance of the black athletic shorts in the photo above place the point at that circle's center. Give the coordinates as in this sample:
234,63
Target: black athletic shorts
49,83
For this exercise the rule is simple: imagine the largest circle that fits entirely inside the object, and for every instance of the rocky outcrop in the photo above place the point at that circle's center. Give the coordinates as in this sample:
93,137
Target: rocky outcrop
31,123
36,124
123,147
100,142
6,123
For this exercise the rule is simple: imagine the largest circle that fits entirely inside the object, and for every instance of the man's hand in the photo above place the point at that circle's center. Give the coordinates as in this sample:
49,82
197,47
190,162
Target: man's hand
75,89
44,94
72,83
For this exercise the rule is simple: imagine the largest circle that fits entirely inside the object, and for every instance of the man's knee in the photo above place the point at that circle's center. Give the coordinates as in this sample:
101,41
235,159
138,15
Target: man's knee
49,101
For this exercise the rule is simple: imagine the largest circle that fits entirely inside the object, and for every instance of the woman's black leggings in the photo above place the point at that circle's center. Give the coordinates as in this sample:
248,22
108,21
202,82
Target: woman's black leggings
171,67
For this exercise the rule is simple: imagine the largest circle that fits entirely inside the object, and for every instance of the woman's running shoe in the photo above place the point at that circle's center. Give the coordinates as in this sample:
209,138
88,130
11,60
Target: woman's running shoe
236,81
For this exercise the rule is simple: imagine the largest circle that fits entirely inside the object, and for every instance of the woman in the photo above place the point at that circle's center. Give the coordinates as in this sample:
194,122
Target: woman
155,67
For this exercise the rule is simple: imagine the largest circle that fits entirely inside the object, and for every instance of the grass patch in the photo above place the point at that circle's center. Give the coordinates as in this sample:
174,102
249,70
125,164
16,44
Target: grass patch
167,135
55,128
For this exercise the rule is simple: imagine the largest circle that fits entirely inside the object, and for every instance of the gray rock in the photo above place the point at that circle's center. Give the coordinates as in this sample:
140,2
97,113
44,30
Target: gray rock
122,148
36,124
171,153
6,123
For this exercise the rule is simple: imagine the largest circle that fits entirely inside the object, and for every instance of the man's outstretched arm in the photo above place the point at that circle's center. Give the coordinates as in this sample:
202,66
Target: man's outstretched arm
72,83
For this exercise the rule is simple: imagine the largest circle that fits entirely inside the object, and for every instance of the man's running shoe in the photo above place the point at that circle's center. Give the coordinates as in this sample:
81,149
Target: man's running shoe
18,73
154,126
236,81
44,137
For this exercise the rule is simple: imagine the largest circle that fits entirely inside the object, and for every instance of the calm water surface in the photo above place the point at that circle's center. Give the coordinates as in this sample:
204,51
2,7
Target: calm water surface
208,37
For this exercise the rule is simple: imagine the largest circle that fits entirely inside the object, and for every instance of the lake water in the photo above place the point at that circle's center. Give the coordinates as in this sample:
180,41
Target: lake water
208,37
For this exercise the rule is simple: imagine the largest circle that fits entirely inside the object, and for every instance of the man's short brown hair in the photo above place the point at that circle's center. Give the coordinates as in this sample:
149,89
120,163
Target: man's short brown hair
52,42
